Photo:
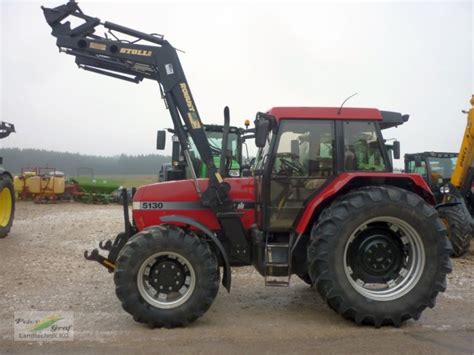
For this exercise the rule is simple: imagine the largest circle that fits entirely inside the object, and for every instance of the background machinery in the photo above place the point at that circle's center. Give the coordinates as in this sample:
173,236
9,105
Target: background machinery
7,191
321,204
450,177
41,184
234,161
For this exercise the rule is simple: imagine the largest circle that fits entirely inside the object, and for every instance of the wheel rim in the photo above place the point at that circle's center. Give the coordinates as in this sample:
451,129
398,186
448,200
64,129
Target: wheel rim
5,207
166,280
384,258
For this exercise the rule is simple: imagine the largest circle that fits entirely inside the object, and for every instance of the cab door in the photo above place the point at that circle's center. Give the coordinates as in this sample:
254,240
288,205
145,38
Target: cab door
300,160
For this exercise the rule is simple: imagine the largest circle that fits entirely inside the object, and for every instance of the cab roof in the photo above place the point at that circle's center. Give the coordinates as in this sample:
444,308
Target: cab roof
433,154
387,119
326,113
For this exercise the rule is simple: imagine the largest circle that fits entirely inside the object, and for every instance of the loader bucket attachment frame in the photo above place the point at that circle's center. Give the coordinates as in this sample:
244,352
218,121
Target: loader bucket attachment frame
6,129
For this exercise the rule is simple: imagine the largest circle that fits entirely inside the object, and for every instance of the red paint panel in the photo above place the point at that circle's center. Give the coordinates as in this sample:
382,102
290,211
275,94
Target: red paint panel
326,113
146,218
242,189
341,181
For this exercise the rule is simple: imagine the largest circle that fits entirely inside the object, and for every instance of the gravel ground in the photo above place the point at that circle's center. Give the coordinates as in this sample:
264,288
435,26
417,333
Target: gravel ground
42,269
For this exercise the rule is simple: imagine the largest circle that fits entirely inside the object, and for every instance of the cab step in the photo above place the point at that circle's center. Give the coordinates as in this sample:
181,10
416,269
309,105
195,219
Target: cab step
277,265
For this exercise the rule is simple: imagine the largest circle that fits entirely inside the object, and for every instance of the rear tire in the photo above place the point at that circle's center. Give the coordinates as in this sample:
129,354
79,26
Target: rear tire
459,228
7,205
166,277
385,237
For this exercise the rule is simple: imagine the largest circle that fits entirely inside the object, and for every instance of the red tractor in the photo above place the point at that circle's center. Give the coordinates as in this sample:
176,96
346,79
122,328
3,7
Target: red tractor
321,204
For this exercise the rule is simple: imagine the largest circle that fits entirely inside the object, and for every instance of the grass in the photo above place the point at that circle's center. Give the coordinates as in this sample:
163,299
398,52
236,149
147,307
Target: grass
131,180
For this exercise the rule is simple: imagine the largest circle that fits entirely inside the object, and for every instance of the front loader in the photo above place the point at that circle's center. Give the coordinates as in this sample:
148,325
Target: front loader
7,192
322,203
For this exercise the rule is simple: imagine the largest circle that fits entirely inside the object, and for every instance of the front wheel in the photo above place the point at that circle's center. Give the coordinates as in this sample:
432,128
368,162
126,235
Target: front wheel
379,255
458,223
7,205
166,277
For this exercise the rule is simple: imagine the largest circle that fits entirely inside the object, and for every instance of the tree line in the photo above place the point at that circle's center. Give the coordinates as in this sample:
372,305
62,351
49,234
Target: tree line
73,164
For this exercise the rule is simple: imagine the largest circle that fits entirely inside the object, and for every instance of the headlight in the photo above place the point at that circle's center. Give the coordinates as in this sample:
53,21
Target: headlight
444,189
234,173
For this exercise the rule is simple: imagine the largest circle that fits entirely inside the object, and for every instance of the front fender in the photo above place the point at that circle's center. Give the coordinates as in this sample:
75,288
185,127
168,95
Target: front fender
226,278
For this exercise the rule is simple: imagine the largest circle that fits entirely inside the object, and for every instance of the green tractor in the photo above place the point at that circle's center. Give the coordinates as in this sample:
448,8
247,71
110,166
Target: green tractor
7,192
233,162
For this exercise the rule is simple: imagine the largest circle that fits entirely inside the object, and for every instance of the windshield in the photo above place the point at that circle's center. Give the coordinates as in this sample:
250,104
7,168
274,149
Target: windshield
215,141
442,167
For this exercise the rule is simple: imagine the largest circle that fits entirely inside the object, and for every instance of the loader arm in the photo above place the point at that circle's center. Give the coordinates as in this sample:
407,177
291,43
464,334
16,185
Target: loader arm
148,56
466,153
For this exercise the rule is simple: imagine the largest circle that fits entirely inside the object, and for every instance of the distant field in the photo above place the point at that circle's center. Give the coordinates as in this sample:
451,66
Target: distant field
131,180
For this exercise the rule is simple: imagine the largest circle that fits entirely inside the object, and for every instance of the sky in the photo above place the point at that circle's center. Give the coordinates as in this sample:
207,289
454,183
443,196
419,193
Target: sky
410,57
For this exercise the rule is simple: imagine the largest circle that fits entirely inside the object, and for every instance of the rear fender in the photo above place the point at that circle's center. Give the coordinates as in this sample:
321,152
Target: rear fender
226,278
345,182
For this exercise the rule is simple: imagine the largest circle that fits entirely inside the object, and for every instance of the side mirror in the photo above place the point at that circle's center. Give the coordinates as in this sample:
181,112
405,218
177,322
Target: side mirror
396,149
160,140
417,161
262,127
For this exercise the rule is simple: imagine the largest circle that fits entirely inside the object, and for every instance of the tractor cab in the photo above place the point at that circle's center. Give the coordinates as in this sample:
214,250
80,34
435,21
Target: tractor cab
305,149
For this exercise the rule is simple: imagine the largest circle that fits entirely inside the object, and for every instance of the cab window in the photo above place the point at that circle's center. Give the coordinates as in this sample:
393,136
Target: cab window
362,147
412,168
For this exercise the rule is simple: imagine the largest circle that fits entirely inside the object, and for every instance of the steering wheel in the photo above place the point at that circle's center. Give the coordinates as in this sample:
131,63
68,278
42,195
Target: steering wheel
289,162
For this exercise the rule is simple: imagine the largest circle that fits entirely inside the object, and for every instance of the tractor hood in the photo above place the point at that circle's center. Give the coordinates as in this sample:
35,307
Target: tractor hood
179,198
242,189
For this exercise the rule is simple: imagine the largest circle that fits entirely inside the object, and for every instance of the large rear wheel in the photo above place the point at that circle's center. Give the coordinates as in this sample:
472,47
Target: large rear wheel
379,255
166,277
7,205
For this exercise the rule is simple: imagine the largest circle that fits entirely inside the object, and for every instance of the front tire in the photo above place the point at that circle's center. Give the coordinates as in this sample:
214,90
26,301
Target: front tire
166,277
7,205
459,228
379,255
